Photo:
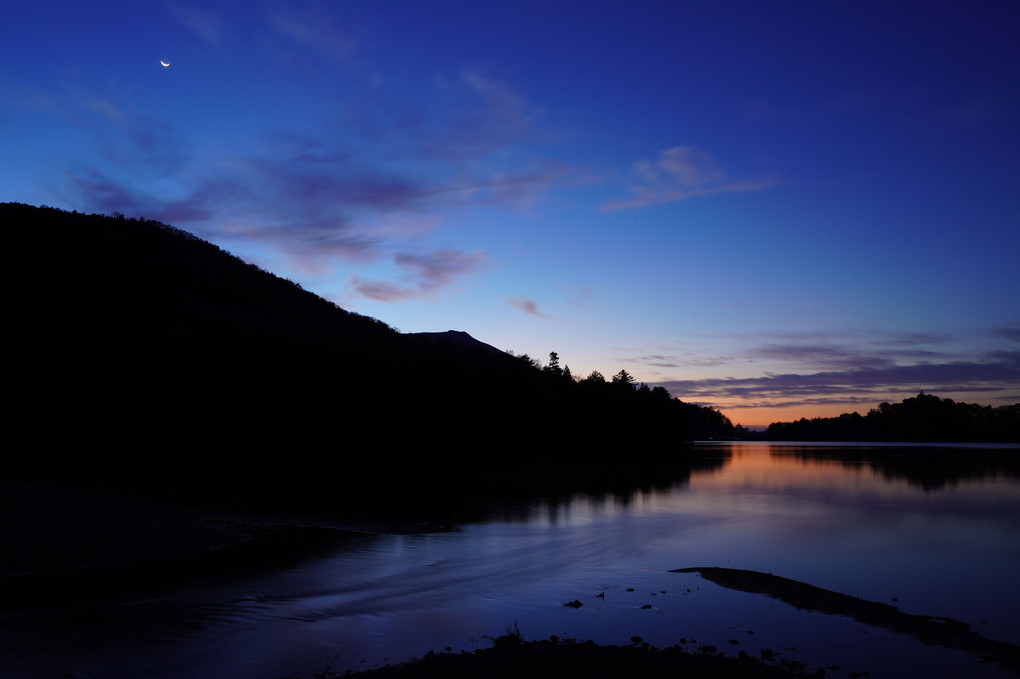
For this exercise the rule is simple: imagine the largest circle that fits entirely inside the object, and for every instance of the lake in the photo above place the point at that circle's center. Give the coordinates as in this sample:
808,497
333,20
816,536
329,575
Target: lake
937,538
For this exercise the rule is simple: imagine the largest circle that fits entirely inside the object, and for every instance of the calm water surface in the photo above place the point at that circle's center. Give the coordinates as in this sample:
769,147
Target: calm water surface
941,540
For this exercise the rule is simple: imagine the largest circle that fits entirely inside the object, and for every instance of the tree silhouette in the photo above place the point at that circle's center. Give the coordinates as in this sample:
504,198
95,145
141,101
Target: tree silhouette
623,377
554,364
922,418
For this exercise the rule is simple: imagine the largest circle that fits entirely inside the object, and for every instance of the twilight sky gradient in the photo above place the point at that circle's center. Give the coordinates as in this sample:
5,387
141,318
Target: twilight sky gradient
778,209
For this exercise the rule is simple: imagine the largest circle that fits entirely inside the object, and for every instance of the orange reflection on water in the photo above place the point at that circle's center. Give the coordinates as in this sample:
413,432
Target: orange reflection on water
868,470
767,466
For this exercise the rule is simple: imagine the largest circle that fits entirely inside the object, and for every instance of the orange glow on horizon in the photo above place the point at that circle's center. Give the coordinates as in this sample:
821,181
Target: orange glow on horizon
764,416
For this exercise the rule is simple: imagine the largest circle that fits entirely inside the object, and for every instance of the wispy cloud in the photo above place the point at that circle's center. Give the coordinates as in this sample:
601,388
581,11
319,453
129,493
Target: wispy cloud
118,132
203,23
528,306
311,186
655,361
993,377
841,349
820,356
678,173
424,274
381,291
1011,333
678,361
477,114
310,246
107,195
315,195
841,367
316,31
436,269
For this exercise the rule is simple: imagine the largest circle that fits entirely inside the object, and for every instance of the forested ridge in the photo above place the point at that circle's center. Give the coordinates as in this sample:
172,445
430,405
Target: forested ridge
142,350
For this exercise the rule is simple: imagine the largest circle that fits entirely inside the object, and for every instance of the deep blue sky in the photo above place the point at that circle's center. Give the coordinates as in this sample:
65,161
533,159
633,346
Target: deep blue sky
779,209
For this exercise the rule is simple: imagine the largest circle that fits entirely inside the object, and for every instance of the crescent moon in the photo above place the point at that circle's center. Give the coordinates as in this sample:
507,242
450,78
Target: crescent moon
164,64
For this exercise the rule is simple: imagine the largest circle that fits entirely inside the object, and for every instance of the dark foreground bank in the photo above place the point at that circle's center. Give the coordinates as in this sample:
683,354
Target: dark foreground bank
510,658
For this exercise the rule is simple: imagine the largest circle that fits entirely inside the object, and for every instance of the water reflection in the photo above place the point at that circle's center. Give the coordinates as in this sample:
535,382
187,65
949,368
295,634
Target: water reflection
609,490
931,468
937,534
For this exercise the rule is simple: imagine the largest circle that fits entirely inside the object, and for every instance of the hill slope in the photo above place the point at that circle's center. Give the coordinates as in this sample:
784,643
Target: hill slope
143,351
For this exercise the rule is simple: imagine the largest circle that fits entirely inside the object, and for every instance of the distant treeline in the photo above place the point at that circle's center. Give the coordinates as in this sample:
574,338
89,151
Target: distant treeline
143,356
922,418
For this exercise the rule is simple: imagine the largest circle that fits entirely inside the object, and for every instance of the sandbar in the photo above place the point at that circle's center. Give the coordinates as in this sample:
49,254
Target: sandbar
928,629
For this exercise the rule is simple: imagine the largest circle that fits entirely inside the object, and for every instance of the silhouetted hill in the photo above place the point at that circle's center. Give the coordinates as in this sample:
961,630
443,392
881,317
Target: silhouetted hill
922,418
139,352
459,340
120,322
